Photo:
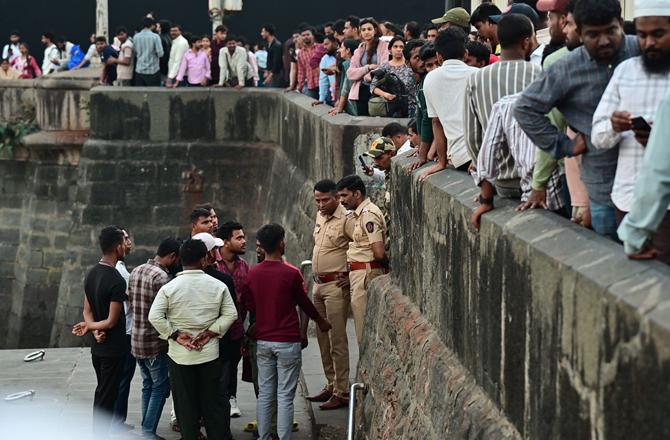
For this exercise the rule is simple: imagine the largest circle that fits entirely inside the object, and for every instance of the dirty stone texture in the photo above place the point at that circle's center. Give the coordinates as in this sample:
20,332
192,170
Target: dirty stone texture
155,153
417,388
566,336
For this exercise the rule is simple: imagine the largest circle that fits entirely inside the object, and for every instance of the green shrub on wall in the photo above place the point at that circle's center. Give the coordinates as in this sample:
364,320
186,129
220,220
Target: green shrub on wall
12,131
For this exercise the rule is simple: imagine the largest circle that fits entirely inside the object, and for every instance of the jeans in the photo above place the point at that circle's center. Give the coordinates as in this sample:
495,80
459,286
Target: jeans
121,405
603,219
155,390
278,371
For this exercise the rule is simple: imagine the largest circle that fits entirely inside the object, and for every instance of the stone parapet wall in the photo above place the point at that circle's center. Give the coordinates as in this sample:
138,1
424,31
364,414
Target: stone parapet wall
566,336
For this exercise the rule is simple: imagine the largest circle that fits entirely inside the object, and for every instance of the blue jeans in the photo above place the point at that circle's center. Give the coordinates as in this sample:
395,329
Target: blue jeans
155,389
278,371
603,220
121,404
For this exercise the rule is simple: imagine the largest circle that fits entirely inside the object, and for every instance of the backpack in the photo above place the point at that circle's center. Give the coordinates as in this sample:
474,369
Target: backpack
76,56
390,83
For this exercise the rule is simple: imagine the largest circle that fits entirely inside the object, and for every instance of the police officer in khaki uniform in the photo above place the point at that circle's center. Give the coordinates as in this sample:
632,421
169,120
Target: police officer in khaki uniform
332,235
382,150
366,255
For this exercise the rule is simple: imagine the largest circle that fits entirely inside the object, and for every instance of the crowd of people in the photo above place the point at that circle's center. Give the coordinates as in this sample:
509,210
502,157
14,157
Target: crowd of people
190,314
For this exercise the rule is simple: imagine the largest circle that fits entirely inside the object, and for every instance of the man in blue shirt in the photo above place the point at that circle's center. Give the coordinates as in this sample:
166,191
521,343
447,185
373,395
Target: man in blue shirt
327,77
148,51
106,52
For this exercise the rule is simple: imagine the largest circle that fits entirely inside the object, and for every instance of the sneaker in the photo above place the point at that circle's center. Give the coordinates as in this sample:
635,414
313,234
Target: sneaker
234,409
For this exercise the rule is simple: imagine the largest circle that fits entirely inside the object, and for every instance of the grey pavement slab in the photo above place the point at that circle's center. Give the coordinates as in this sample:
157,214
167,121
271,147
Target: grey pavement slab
64,383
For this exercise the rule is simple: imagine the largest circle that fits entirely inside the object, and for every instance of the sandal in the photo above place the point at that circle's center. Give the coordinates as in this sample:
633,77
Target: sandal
251,427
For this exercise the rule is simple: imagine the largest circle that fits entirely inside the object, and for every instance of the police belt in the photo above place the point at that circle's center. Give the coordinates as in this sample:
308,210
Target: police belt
329,278
365,266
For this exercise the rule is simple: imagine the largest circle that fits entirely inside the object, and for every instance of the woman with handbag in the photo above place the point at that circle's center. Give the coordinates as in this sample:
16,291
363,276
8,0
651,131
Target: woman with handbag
26,63
397,66
370,54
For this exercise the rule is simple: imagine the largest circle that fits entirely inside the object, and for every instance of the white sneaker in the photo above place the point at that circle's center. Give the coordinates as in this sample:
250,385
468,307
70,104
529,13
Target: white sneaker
234,409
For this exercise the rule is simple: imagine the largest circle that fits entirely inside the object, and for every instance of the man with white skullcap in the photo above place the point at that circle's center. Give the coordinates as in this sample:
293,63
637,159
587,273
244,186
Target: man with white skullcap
645,231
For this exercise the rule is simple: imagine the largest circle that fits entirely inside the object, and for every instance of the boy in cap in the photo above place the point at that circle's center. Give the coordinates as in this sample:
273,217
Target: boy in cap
454,17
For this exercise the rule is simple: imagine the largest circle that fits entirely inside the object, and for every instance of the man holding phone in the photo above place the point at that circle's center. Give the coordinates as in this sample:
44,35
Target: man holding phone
628,107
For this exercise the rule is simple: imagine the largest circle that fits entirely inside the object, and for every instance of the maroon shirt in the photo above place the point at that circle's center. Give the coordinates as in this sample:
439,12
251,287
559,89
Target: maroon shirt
214,64
239,275
274,290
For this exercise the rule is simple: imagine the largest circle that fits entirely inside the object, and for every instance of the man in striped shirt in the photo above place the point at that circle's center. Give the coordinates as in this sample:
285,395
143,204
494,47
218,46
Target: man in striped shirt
511,75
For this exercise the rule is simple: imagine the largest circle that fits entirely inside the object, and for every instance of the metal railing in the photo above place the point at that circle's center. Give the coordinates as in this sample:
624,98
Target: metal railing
352,408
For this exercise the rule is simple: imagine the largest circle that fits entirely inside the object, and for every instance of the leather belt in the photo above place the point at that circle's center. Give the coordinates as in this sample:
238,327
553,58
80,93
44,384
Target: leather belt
328,278
364,266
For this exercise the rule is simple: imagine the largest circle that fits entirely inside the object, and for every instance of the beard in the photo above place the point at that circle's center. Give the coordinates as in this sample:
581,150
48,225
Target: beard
656,66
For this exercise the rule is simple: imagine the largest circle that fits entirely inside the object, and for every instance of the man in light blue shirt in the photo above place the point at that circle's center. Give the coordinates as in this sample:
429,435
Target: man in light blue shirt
327,77
149,50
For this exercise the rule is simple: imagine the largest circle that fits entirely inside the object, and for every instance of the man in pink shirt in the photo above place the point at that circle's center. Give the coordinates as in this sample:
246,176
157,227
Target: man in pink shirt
195,66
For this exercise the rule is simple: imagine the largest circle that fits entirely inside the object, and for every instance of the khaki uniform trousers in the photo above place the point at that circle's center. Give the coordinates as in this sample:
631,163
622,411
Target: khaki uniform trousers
360,279
332,303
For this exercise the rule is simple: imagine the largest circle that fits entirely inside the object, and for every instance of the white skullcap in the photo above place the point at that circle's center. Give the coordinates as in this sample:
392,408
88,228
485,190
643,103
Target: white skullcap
652,8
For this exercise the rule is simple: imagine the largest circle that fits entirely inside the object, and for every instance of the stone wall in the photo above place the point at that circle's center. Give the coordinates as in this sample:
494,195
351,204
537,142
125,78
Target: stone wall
564,335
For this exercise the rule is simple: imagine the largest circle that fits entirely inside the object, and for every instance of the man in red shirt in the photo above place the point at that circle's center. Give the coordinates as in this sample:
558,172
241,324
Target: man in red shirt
274,291
306,73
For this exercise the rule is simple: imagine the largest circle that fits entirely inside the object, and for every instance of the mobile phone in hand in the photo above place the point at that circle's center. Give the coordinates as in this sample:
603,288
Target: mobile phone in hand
365,166
640,123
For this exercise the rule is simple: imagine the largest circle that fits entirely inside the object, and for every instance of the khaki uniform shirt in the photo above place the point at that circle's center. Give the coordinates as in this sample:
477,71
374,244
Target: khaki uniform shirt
331,241
369,227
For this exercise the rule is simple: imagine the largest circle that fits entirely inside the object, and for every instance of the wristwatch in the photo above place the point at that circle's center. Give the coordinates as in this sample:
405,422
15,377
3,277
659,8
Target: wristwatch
174,335
483,201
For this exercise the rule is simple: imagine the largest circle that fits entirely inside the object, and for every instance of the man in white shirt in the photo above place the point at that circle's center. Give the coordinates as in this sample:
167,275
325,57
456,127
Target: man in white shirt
125,62
51,54
523,9
179,48
64,47
444,89
628,107
193,312
11,50
234,66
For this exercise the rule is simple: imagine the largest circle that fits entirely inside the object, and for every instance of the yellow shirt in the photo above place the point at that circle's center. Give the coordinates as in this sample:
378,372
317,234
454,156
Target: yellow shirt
331,241
369,227
10,74
191,303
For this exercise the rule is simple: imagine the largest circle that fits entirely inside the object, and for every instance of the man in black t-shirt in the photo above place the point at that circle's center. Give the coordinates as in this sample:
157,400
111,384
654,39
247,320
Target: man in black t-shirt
105,292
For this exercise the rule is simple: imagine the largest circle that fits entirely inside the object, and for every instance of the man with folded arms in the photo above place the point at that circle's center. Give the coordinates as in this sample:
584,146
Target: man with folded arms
193,312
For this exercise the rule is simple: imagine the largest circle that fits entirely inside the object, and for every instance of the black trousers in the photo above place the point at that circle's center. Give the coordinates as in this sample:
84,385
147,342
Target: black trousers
196,391
230,355
108,372
364,96
142,80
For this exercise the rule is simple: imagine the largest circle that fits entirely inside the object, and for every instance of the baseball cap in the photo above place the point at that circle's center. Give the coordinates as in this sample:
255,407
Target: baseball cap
457,16
380,146
518,8
552,5
210,241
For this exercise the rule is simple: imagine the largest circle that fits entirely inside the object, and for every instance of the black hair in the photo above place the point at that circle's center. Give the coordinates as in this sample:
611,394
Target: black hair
325,186
309,29
14,32
48,35
230,37
430,27
168,246
199,212
393,129
225,231
60,39
174,25
596,12
147,22
354,21
513,28
121,30
338,26
352,183
450,43
483,12
109,238
192,251
411,125
570,7
4,60
270,236
373,47
479,50
101,39
393,40
413,29
629,28
207,206
394,28
427,52
165,25
410,46
269,28
351,44
327,24
332,38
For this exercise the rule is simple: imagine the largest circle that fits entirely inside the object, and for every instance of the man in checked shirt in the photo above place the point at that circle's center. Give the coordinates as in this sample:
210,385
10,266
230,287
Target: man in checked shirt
332,233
